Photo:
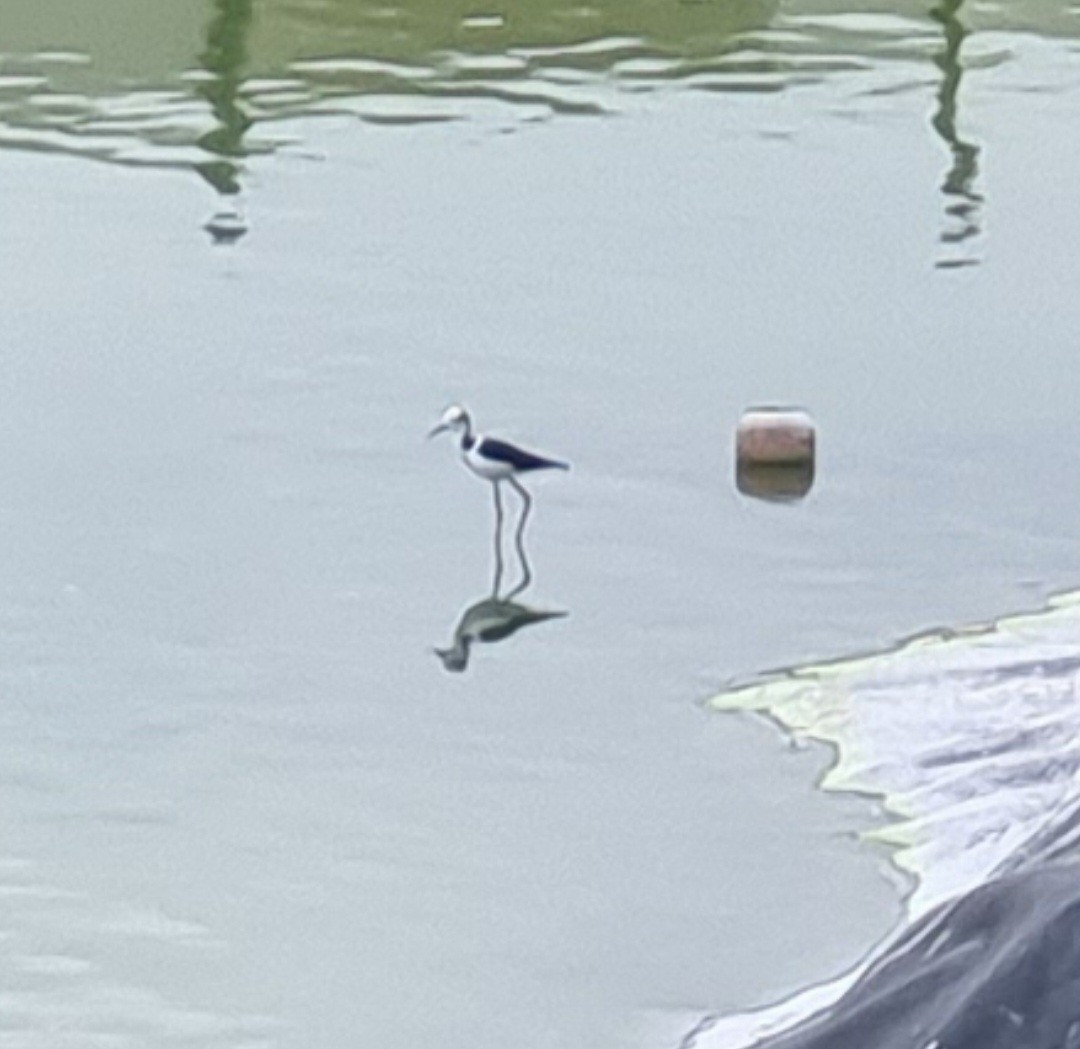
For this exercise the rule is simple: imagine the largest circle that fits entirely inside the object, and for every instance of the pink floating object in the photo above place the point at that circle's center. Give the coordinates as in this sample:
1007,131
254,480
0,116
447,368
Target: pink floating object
775,450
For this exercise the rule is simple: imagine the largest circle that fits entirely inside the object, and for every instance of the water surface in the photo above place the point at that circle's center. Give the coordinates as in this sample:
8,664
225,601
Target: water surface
244,803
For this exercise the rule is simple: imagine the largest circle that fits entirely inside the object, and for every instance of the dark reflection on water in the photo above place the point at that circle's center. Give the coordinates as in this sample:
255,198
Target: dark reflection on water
489,620
493,618
963,202
224,59
775,483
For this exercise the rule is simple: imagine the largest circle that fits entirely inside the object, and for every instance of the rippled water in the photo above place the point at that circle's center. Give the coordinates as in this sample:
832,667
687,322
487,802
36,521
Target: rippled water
184,86
242,800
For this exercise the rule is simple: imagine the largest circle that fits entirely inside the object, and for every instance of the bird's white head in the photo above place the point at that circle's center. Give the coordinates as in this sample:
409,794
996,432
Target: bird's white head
455,418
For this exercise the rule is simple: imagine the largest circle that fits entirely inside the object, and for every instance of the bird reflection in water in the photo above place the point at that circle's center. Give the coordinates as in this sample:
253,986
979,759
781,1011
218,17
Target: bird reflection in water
490,619
494,618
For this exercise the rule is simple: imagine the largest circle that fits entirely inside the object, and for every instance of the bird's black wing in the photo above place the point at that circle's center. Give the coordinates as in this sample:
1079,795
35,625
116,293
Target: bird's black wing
503,452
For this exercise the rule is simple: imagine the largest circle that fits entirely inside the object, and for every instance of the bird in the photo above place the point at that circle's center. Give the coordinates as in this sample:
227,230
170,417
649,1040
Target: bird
496,461
488,457
490,619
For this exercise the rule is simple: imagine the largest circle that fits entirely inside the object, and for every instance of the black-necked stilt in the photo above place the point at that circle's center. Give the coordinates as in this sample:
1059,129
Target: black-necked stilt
490,619
488,457
497,461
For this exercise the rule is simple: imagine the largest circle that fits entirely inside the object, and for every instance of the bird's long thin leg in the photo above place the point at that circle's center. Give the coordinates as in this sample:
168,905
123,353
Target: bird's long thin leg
498,541
519,539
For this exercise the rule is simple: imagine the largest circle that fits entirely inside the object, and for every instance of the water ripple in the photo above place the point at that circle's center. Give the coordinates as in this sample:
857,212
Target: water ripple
217,89
390,65
58,991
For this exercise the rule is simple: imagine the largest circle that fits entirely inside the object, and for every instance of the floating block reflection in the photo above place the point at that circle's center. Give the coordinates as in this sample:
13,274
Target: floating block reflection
775,454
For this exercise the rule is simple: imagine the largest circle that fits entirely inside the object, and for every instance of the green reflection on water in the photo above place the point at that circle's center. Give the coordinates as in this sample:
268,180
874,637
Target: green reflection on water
224,58
424,28
963,207
201,84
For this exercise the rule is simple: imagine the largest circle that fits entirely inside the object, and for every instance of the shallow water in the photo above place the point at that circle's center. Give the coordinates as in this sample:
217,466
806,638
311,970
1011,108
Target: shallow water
243,803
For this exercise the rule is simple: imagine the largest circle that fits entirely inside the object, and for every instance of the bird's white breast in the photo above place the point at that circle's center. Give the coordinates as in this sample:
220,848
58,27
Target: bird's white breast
486,468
